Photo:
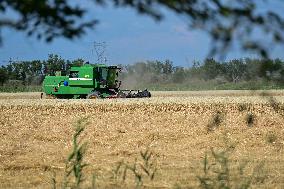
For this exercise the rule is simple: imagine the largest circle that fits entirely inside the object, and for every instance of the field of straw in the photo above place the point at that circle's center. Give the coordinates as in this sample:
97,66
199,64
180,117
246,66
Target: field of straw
178,127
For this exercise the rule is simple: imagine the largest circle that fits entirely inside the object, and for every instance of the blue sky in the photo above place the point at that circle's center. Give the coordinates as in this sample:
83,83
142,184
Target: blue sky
129,37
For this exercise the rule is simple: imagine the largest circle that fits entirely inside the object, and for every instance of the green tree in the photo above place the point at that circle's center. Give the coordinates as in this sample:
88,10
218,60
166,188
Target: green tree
69,64
78,62
3,75
211,69
36,67
155,67
235,70
195,72
167,67
252,72
54,63
271,69
179,75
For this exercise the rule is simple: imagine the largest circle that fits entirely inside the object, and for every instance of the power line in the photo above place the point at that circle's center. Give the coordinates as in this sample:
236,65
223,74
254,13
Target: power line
100,50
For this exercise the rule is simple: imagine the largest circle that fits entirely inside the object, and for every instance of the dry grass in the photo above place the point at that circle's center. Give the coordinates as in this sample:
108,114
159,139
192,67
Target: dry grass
36,135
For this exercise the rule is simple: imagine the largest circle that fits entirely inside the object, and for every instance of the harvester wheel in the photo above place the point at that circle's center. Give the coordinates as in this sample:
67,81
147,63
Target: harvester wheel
94,95
50,97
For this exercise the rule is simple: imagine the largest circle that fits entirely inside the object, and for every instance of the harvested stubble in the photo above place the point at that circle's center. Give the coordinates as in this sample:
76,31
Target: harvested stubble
27,95
36,136
216,93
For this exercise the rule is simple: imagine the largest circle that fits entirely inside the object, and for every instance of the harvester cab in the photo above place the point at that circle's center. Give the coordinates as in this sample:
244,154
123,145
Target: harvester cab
89,81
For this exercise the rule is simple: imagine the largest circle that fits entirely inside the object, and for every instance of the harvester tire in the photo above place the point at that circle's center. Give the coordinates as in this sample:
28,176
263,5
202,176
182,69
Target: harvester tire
50,97
94,95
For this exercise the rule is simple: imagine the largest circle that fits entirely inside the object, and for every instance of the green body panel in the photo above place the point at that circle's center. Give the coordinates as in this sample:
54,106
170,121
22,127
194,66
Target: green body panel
82,81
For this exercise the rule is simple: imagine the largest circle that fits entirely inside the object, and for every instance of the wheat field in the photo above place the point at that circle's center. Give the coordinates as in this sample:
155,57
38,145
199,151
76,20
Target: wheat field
179,127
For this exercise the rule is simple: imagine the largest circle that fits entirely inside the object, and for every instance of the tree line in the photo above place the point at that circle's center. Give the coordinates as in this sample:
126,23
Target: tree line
156,73
33,72
206,74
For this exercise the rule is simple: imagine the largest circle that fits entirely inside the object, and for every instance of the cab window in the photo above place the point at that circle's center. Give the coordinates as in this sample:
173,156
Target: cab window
74,74
103,73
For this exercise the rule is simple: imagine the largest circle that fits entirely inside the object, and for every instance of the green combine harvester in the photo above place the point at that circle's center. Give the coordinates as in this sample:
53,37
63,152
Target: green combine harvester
89,81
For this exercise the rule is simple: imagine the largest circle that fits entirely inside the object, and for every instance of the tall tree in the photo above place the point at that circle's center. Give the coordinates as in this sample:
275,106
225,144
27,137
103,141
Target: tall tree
271,68
168,67
3,75
235,70
211,69
179,75
54,63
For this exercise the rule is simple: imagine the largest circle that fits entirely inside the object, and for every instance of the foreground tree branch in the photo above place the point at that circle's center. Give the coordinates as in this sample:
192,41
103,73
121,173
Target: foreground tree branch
227,22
